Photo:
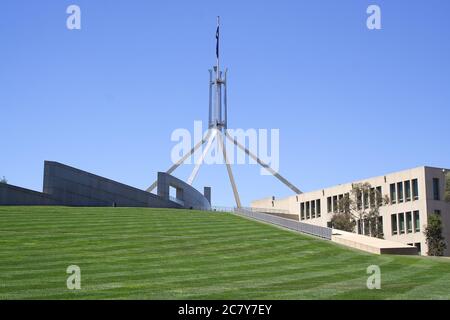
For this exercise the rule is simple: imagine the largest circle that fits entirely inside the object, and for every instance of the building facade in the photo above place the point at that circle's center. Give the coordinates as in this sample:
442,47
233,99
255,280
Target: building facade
412,196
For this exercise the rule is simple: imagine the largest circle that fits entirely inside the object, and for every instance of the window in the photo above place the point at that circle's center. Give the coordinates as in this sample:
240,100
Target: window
318,210
380,225
394,224
409,227
401,222
436,193
302,211
359,226
366,227
329,208
341,207
408,190
366,199
415,189
400,192
347,202
313,209
308,212
335,202
359,200
437,212
379,196
393,194
372,197
416,221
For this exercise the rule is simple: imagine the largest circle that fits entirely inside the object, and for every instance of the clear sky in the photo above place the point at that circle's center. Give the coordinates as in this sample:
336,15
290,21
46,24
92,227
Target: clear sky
350,103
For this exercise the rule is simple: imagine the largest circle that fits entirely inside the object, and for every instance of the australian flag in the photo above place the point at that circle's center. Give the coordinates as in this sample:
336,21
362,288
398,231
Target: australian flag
217,42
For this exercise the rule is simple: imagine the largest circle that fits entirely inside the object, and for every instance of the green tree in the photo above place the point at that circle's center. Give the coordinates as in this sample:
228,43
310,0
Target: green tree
434,238
3,180
362,203
343,221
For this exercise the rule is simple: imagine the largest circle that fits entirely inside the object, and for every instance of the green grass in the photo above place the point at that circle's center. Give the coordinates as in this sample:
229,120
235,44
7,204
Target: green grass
168,254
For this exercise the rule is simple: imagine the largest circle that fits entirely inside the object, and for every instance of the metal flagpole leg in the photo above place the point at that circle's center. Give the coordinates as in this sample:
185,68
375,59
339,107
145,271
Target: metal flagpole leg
230,172
183,159
265,166
199,163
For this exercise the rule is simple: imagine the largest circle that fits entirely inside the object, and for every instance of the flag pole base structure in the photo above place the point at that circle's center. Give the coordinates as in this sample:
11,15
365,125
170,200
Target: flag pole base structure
217,129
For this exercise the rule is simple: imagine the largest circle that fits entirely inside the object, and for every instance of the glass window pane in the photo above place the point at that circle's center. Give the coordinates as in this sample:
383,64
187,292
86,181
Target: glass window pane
393,193
408,190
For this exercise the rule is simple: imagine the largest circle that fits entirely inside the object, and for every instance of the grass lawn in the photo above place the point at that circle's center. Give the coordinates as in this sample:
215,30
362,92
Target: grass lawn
127,253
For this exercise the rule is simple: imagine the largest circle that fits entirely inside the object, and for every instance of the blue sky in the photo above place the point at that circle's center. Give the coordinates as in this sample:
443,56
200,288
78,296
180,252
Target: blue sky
350,103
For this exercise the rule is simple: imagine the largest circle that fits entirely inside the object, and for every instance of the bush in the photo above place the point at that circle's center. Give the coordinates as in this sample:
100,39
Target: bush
433,233
343,221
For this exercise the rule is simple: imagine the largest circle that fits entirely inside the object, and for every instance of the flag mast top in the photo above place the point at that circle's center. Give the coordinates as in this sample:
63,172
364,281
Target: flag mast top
218,112
217,47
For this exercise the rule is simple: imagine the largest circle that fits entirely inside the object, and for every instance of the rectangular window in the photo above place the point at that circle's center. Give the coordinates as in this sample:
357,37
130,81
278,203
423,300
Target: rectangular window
335,204
372,197
359,226
408,190
393,194
416,221
409,226
366,199
329,206
400,192
366,227
436,193
308,212
318,209
359,200
341,208
379,196
394,226
347,202
401,223
302,211
380,225
313,209
415,189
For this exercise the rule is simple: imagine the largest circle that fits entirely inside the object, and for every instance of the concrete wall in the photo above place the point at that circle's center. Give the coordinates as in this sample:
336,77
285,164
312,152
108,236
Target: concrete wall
15,196
74,187
186,194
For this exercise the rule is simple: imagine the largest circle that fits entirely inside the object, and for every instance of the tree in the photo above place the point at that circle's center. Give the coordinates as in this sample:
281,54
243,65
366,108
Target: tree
343,221
362,203
433,233
3,180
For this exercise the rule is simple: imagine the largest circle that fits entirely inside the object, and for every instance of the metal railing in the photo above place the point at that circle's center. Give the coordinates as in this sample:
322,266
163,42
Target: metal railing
318,231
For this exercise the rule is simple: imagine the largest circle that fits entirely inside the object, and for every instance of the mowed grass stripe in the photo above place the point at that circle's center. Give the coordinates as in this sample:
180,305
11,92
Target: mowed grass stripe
168,254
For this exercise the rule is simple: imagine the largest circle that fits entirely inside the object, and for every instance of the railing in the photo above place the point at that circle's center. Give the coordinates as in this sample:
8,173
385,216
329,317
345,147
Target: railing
302,227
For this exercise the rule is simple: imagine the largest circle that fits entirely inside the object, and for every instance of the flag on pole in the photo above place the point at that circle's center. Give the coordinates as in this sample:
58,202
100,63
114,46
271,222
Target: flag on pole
217,39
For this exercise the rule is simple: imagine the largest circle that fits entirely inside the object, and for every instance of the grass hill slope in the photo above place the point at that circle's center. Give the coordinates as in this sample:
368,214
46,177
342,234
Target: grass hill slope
127,253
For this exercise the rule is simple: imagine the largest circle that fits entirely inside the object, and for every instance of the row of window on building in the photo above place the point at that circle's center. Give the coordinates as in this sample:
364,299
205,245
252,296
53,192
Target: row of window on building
404,191
368,198
310,209
408,222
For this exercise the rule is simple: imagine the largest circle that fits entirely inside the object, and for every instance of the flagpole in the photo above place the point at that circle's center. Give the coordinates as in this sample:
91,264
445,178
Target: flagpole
218,47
